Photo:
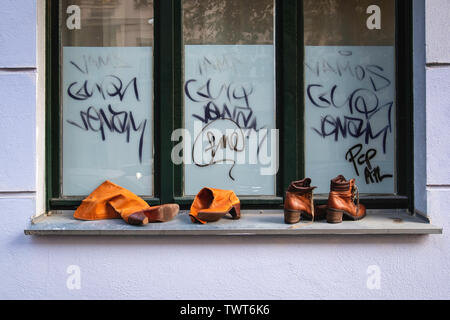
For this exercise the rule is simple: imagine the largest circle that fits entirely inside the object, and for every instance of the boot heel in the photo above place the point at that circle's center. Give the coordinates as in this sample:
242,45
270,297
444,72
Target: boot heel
334,216
292,217
236,211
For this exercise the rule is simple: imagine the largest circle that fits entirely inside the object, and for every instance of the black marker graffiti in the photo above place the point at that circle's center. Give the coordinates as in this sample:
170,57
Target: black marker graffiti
224,102
111,86
235,142
363,114
235,102
362,104
354,105
121,122
99,62
219,64
227,104
111,89
357,157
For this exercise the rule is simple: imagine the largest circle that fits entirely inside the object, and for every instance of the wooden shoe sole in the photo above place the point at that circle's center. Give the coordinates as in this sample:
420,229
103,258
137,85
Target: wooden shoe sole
337,216
213,216
294,216
138,219
163,213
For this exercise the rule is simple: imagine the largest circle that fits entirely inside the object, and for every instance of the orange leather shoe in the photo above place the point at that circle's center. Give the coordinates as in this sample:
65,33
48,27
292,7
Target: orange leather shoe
110,201
300,203
341,201
211,205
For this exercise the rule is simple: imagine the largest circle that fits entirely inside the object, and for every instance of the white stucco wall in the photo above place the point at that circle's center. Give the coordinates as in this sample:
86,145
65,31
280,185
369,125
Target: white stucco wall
220,267
438,116
438,24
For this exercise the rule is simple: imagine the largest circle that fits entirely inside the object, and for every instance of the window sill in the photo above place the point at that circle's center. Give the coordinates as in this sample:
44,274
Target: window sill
253,222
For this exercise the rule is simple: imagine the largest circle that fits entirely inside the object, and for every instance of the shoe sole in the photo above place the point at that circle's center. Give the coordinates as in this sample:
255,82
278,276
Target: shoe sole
294,216
209,216
137,219
163,213
337,216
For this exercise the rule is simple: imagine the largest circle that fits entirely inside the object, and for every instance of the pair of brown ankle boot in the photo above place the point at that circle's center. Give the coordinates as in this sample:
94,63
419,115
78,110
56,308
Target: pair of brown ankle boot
343,202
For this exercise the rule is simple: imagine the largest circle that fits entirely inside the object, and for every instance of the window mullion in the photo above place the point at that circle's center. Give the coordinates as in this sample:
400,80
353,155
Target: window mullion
288,58
164,72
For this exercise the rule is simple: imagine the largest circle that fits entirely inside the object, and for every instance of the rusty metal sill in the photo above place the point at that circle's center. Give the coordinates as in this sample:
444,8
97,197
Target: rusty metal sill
259,222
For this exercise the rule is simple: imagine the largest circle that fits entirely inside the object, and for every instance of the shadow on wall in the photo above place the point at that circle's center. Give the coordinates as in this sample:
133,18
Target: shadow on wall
218,241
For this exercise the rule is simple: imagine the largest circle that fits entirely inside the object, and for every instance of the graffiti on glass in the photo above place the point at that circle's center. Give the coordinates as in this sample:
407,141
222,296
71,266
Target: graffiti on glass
113,116
222,103
361,113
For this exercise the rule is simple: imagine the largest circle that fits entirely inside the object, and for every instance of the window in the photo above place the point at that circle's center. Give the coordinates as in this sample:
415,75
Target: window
350,105
267,91
229,85
106,96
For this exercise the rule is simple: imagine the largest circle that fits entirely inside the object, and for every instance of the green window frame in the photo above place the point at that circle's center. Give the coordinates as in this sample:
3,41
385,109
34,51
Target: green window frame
289,106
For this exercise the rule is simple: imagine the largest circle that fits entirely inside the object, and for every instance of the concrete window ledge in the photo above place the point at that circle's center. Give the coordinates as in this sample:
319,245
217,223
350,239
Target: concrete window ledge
253,222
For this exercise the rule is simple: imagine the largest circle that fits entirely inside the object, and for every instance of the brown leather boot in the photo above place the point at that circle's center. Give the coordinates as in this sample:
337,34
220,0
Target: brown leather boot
341,201
300,203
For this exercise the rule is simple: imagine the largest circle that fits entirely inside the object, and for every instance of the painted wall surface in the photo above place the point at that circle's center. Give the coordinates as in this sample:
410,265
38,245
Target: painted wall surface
437,40
197,268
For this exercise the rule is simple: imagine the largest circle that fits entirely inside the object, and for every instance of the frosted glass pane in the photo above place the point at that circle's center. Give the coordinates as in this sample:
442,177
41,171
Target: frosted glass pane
107,118
241,96
350,116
